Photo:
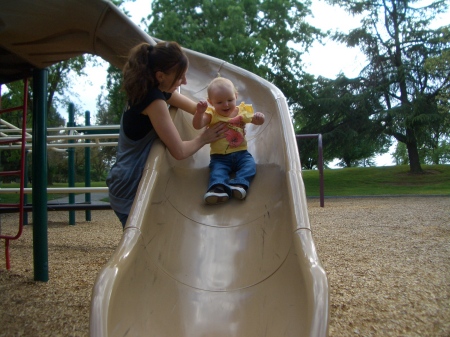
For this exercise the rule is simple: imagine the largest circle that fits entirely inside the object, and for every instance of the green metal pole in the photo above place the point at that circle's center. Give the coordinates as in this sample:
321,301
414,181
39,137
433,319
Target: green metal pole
25,197
71,164
87,166
39,173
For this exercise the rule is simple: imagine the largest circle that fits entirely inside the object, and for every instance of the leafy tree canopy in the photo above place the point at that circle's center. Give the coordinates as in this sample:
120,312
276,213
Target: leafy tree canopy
255,35
408,66
343,111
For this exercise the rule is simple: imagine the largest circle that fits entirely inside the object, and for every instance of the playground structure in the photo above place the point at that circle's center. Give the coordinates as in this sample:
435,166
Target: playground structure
182,268
62,140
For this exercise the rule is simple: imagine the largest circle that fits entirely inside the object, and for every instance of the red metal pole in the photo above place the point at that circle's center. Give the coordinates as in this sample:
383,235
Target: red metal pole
21,174
8,265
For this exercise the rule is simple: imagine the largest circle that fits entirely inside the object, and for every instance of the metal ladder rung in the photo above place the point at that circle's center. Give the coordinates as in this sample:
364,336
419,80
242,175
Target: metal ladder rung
20,107
10,140
9,205
11,173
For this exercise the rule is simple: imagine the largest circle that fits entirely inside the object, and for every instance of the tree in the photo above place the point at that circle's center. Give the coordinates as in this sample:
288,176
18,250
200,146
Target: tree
258,36
111,107
59,85
436,147
109,111
99,164
401,49
400,154
342,111
58,89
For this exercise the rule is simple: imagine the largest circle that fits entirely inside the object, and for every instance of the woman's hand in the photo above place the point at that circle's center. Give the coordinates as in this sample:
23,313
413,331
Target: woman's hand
214,133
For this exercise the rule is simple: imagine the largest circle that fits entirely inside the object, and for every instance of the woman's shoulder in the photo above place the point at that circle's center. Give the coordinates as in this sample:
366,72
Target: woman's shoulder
151,96
155,93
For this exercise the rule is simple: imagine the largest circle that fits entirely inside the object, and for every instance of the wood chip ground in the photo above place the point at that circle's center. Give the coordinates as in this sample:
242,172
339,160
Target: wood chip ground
387,262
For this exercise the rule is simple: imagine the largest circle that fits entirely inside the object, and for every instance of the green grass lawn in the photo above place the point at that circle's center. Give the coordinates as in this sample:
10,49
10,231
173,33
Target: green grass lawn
358,181
386,180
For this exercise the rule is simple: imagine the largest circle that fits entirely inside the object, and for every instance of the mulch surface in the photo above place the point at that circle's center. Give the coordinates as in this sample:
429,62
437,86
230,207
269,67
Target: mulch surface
387,262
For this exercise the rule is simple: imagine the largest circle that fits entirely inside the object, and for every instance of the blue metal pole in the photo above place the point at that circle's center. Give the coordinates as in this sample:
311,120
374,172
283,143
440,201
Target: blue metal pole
39,173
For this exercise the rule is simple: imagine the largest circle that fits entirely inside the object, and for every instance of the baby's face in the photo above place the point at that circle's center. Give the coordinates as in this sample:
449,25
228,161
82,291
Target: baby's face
223,99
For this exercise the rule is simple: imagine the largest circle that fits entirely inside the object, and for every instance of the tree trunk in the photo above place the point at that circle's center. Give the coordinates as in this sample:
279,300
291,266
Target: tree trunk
413,153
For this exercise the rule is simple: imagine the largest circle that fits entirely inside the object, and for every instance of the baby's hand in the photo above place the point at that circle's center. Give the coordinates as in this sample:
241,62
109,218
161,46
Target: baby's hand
201,106
258,118
201,119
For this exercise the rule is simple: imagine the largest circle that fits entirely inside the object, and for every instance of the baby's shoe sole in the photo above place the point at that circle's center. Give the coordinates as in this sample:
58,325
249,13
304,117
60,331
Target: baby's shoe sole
238,192
213,198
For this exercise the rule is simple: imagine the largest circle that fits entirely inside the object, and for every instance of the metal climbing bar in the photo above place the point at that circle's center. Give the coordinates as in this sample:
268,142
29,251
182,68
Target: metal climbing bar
20,172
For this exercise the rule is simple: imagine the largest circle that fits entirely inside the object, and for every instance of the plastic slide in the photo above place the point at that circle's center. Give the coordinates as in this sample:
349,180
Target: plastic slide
243,268
182,268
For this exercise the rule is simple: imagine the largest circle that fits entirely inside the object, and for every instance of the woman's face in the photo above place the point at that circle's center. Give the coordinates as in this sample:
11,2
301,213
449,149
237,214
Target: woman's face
168,82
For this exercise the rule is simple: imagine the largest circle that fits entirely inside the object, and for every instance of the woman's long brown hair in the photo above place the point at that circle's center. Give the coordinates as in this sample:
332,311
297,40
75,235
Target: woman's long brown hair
139,73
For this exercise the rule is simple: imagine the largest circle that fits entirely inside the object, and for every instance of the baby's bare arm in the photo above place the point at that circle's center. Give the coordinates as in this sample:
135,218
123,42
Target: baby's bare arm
201,119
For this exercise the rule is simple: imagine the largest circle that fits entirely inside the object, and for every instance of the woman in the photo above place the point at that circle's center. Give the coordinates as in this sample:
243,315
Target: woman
151,77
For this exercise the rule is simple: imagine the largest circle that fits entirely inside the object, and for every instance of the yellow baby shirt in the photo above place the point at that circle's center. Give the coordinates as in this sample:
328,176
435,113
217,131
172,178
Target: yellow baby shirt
235,135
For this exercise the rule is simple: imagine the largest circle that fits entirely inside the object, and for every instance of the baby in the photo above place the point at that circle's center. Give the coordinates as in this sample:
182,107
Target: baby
229,155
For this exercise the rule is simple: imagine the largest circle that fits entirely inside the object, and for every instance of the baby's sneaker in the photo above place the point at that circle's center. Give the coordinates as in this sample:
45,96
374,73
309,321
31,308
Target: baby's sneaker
238,192
216,195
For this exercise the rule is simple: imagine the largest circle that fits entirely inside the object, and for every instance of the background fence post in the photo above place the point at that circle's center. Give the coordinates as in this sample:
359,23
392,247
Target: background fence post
71,163
87,166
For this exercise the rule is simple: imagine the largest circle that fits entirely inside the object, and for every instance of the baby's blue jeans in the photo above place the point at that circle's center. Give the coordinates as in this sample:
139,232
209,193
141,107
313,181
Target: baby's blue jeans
236,168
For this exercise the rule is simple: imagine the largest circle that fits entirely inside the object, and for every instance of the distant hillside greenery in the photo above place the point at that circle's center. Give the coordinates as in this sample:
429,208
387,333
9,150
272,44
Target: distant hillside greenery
357,181
387,180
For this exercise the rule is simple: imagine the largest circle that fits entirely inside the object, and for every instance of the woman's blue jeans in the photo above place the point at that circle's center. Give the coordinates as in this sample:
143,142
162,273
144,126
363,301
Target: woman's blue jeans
236,168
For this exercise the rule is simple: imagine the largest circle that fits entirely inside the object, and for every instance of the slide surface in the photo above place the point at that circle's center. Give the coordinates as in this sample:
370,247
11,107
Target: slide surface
245,268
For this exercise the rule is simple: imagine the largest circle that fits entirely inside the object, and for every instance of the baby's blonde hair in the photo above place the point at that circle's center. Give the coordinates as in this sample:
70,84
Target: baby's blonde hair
220,82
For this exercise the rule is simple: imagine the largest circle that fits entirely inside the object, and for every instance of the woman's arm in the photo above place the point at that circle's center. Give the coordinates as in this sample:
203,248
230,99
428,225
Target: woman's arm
159,115
182,102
